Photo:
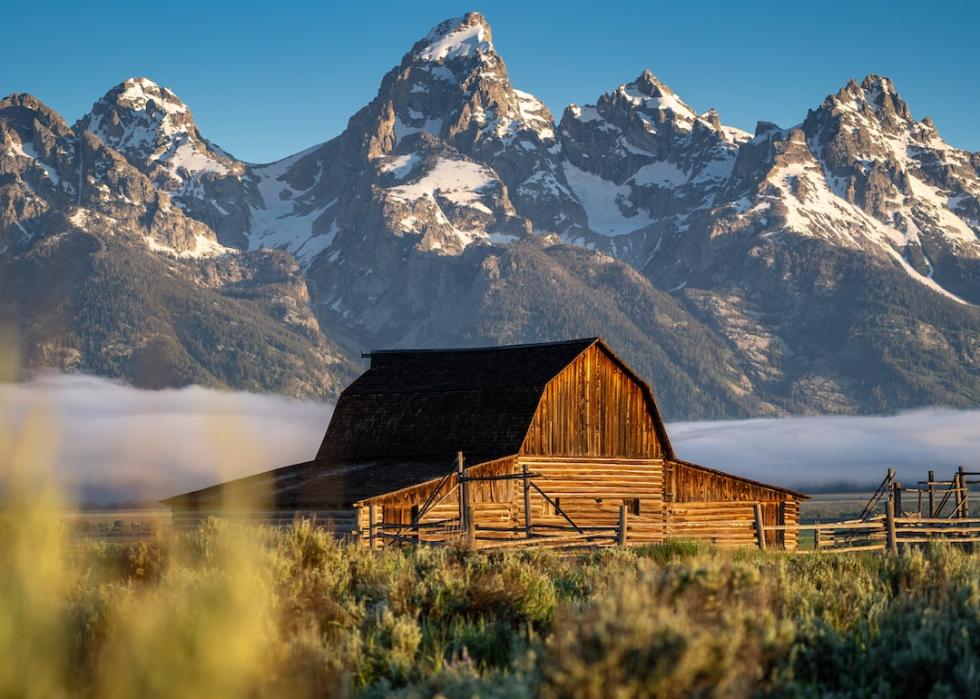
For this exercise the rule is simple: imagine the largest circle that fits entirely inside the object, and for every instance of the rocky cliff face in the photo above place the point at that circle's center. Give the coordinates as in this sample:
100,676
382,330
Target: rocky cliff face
830,266
101,272
150,127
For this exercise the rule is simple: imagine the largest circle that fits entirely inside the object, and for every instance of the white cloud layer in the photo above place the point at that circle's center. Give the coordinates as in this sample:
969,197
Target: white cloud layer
832,450
118,443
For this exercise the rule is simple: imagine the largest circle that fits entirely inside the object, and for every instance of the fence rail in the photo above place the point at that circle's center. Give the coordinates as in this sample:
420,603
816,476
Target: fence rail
895,529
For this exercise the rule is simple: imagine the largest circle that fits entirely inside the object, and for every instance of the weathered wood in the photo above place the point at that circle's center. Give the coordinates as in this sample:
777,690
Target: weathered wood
527,500
932,494
372,524
594,444
556,506
842,549
759,530
936,520
465,514
623,524
890,522
594,407
698,483
950,540
829,526
964,493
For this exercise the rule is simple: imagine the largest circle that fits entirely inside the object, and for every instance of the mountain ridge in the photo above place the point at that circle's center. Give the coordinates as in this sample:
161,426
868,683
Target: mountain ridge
454,209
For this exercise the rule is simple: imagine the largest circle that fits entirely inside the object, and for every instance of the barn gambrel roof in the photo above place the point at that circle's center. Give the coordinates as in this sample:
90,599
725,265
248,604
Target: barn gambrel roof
402,422
424,404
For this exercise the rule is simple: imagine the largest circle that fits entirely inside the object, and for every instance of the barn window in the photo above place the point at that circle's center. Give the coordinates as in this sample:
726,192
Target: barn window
415,513
633,504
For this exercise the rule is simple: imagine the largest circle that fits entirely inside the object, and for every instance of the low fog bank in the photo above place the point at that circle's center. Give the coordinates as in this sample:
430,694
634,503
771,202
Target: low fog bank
835,451
116,443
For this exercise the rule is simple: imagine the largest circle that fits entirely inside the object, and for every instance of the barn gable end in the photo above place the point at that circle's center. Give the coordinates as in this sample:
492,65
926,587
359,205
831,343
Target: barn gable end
596,406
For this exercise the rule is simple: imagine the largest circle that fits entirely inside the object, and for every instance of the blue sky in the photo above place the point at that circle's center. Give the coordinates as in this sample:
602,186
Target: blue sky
265,80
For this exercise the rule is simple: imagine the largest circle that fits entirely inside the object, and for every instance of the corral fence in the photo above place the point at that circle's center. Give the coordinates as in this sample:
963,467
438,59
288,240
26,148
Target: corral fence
896,517
933,511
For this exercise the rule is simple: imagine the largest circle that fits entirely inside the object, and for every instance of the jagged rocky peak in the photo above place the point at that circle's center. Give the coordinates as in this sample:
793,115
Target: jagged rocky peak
31,134
453,86
645,116
25,112
156,133
144,95
461,38
37,166
650,93
642,159
875,95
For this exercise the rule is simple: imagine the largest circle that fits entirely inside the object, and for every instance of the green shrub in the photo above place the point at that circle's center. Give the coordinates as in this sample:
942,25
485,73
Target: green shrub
233,610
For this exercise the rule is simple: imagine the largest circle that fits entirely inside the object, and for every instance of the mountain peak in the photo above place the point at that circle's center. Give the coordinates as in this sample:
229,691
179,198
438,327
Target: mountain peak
651,94
142,94
650,85
458,38
139,112
876,92
154,130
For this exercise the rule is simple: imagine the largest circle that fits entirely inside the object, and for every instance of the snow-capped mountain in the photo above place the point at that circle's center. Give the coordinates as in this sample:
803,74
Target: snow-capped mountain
101,272
830,266
446,155
641,162
54,172
150,127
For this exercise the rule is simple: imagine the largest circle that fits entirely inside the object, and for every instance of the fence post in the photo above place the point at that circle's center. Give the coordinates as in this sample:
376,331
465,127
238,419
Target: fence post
372,520
760,533
932,494
897,489
890,522
623,523
527,502
465,508
964,493
817,537
957,495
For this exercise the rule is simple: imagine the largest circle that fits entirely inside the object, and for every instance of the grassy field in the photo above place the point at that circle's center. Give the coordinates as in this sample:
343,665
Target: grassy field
233,610
118,605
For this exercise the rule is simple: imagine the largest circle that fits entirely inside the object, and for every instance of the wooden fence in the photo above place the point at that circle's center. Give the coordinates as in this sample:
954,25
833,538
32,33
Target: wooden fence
941,515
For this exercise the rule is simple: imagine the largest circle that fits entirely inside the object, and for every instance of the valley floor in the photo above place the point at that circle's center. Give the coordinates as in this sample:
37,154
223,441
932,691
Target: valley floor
233,610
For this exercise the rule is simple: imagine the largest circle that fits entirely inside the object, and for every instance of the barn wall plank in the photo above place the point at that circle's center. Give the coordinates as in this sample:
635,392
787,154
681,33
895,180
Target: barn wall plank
593,408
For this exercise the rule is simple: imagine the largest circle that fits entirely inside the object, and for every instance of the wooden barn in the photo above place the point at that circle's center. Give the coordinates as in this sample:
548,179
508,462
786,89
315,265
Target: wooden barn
507,446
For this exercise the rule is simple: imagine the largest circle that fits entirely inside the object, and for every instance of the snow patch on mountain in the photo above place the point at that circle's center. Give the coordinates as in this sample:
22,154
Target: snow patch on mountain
661,173
603,202
284,221
204,246
458,181
400,166
456,38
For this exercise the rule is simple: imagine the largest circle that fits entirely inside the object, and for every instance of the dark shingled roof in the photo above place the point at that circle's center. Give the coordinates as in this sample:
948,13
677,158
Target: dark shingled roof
429,404
403,420
314,485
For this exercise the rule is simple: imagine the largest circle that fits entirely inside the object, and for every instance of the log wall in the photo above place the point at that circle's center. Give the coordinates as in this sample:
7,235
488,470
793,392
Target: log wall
590,491
686,482
727,523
